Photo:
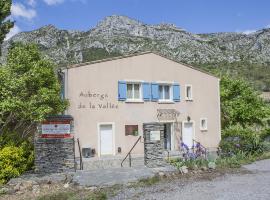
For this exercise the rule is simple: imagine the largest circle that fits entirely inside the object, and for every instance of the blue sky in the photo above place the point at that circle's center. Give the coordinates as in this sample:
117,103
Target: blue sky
197,16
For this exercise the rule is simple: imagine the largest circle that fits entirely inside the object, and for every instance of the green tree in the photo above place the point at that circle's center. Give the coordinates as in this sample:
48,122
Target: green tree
5,25
241,104
29,90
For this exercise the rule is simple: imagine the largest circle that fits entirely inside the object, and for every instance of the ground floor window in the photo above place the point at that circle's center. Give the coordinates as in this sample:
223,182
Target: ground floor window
203,124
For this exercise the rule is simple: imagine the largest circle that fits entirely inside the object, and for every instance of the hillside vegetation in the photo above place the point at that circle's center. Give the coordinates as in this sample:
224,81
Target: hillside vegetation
238,54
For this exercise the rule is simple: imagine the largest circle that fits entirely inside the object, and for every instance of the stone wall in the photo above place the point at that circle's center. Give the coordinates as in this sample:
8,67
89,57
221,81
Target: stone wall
54,155
153,150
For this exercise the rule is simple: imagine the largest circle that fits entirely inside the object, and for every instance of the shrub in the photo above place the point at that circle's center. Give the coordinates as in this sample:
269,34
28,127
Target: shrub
237,139
14,161
265,135
190,164
235,161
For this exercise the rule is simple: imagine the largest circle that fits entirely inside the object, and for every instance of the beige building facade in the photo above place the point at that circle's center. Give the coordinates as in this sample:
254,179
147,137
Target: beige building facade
111,99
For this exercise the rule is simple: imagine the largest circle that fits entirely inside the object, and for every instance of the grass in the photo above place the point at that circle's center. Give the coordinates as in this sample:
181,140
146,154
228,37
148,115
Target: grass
235,161
240,159
148,181
75,195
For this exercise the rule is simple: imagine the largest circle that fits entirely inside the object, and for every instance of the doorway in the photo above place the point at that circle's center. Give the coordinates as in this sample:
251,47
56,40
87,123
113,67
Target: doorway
168,137
106,139
187,133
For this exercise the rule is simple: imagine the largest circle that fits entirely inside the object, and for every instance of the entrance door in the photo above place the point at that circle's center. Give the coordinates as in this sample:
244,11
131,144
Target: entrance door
106,139
187,133
167,136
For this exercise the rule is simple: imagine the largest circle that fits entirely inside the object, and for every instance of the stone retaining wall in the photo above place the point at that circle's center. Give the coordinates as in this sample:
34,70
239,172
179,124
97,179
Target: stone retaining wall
154,150
54,155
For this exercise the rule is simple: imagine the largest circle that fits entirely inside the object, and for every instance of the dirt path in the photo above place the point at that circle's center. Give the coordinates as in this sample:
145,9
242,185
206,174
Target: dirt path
246,185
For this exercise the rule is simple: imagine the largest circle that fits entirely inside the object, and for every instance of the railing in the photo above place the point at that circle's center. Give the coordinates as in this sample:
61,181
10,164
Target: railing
129,153
196,150
80,152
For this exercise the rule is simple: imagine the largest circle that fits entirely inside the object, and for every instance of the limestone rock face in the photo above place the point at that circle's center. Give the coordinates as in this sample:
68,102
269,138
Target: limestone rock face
122,35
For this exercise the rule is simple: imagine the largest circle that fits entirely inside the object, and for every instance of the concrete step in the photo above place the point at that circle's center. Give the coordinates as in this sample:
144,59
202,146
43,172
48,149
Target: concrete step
110,162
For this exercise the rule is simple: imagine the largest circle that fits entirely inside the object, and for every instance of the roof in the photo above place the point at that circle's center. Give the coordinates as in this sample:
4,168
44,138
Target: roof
137,54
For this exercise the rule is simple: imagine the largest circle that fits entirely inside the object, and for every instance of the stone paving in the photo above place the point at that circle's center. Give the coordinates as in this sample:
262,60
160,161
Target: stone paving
108,177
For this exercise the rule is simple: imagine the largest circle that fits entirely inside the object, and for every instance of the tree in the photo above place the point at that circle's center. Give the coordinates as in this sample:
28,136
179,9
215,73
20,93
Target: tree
29,90
241,104
5,25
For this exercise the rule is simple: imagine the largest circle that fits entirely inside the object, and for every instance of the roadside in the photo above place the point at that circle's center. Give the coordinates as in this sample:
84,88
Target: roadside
249,182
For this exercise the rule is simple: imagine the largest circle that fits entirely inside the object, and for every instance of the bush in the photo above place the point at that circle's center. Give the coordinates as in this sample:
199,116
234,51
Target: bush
190,164
15,160
237,139
265,135
235,161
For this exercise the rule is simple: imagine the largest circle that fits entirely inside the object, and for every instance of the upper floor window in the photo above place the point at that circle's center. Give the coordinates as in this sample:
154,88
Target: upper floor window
203,124
188,90
164,92
134,91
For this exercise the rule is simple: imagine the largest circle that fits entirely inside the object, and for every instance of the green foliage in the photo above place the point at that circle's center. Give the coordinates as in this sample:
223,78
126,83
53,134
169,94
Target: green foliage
237,139
29,90
241,104
265,134
73,195
190,164
5,25
257,74
14,161
235,161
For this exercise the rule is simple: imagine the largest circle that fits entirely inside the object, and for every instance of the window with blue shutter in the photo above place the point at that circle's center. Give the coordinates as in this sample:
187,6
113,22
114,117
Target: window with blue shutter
146,91
122,90
154,91
176,92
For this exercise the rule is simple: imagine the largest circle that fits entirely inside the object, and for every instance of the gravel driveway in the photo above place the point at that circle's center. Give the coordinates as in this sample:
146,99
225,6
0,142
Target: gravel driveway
250,183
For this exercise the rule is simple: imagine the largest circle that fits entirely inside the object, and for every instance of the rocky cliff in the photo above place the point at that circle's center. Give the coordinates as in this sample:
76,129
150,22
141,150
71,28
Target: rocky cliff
117,35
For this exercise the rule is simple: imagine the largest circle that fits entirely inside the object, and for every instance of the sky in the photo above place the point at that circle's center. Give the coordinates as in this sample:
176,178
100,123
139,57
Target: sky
196,16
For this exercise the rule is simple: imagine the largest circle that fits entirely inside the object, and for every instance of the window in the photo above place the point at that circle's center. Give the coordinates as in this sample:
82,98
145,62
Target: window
131,130
134,91
188,92
164,92
203,124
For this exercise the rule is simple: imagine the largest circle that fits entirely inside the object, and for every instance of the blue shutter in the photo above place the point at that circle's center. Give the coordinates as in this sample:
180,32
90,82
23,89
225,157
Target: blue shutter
154,91
122,90
176,92
146,91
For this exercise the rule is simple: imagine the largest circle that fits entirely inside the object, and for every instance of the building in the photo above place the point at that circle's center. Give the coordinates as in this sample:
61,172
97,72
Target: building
111,99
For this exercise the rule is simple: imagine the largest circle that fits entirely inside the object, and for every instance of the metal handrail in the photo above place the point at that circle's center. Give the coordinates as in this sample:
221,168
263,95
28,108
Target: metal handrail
129,153
194,142
80,152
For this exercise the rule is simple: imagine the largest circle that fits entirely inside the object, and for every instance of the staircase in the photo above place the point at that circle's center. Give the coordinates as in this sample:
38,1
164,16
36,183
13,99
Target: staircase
111,162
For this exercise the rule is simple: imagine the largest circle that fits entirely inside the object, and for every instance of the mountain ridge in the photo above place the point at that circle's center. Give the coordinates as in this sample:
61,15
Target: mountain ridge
118,35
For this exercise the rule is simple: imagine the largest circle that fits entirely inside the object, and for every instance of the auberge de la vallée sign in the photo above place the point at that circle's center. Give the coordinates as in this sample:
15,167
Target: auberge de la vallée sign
57,129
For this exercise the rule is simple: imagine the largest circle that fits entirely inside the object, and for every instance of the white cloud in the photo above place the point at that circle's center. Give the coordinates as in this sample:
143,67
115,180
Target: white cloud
19,10
267,26
31,2
13,32
53,2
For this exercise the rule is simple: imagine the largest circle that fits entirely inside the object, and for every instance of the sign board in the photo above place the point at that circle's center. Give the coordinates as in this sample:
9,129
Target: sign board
154,135
167,114
55,128
59,126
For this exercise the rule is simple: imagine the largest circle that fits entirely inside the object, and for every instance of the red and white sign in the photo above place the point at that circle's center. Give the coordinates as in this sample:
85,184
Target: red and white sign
56,129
